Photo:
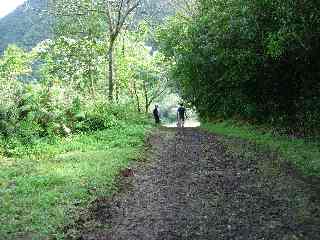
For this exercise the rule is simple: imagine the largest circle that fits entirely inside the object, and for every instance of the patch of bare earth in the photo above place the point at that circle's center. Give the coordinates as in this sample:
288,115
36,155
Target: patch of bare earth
196,187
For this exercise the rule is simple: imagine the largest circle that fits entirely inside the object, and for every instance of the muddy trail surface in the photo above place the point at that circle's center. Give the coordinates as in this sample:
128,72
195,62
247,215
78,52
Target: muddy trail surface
193,186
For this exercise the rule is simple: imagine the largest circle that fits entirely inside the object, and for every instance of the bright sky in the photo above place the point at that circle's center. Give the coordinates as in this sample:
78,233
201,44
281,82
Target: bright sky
7,6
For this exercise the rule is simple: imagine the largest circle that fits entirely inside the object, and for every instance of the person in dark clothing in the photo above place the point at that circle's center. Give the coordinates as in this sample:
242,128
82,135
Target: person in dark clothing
156,114
181,115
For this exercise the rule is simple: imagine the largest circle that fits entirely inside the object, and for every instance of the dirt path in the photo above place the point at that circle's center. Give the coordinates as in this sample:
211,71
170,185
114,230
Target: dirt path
193,188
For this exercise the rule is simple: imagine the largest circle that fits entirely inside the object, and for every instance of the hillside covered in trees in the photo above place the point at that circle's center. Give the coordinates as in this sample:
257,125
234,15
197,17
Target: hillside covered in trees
26,26
31,23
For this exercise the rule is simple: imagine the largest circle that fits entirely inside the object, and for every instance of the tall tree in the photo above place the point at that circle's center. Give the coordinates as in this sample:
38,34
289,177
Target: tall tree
115,13
141,71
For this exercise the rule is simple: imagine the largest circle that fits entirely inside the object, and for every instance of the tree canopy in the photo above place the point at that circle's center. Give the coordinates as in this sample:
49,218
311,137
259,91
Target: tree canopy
256,60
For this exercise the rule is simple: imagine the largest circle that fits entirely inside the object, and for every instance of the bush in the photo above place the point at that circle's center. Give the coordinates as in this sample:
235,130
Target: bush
37,112
102,115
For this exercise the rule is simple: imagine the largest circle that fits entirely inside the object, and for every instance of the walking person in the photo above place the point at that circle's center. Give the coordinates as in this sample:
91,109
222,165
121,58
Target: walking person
181,115
156,114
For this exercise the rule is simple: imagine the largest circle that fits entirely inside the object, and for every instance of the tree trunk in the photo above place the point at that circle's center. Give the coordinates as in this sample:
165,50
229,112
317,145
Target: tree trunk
110,62
116,82
137,96
145,91
117,91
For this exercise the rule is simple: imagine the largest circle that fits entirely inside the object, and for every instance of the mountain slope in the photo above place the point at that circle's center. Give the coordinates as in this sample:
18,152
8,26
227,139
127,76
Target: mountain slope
25,26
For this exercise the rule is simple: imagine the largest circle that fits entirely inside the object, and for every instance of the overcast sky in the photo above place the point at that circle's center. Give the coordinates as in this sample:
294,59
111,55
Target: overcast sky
7,6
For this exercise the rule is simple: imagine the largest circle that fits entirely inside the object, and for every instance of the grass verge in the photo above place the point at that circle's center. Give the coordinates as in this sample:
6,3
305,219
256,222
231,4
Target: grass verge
44,186
305,156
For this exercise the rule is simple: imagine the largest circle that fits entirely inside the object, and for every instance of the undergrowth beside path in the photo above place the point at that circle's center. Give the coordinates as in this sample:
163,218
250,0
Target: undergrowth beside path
305,156
44,186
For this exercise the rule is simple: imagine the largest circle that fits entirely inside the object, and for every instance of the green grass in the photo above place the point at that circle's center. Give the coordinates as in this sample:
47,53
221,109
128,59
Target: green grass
44,186
304,155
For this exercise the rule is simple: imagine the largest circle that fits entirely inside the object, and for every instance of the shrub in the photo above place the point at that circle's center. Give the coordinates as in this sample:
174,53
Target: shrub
36,112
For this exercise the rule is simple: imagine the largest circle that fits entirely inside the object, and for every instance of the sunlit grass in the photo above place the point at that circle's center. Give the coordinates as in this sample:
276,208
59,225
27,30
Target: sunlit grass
43,187
304,155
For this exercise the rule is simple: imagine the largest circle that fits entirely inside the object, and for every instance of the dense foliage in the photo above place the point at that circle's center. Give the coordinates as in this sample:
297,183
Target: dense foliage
59,87
257,60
